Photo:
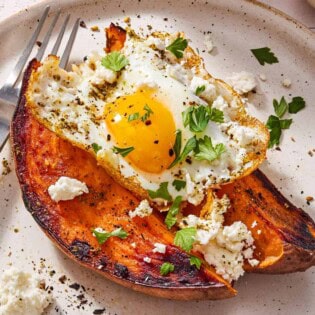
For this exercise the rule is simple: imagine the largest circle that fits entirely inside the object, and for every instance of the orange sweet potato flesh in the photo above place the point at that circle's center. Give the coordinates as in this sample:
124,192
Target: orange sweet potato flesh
41,158
284,235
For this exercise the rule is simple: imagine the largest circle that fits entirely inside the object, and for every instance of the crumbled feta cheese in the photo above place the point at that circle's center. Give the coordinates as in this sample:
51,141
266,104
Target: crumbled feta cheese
159,43
253,262
102,74
254,224
242,82
147,83
147,259
242,134
262,77
179,73
143,210
224,247
210,91
66,188
134,245
159,248
208,43
195,192
258,232
21,294
286,83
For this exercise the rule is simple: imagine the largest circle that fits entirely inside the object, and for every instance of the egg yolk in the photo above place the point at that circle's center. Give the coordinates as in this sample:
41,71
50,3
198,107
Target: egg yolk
141,121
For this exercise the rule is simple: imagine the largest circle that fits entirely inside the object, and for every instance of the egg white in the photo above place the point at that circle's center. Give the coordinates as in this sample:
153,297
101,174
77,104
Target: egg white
72,105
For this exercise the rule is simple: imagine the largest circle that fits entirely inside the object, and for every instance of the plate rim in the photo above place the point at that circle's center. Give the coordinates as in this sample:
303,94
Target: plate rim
268,8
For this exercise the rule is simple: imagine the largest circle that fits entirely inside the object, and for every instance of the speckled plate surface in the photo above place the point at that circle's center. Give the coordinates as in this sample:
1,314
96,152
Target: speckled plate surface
235,27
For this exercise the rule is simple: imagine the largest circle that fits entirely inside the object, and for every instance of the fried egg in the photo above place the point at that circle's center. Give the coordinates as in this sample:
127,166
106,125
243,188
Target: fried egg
130,120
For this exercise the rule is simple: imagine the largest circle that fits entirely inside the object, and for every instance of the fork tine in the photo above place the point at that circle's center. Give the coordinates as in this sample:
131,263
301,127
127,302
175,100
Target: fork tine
27,51
43,47
60,36
66,54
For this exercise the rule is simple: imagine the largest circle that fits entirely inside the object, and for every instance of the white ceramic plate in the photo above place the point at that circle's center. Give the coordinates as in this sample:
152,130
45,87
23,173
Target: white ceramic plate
235,27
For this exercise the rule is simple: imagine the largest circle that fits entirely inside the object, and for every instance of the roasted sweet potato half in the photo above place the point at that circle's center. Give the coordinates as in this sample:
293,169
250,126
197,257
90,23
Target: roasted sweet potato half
41,158
284,235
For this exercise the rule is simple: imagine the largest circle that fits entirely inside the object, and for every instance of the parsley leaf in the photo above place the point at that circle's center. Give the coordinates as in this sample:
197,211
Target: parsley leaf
149,111
123,151
264,55
170,218
115,61
133,117
280,107
166,268
195,261
185,238
200,89
162,192
196,117
96,147
215,115
103,236
179,184
190,146
206,151
177,47
285,123
275,125
296,104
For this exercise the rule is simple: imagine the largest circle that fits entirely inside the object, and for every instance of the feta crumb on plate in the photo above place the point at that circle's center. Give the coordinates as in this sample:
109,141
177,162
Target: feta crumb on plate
208,43
21,294
242,82
66,188
286,83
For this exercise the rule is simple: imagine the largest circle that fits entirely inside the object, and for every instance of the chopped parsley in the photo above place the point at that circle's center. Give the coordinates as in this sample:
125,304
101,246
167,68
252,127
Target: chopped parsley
185,238
264,55
123,151
280,107
179,184
275,126
133,117
190,146
149,111
195,261
96,147
215,115
102,236
206,150
177,47
200,89
162,192
115,61
170,218
196,117
166,268
296,104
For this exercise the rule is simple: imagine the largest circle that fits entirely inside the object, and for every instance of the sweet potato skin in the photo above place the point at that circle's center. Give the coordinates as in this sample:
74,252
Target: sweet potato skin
41,158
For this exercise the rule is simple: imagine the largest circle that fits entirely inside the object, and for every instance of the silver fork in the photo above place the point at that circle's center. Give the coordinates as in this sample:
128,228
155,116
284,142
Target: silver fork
10,91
